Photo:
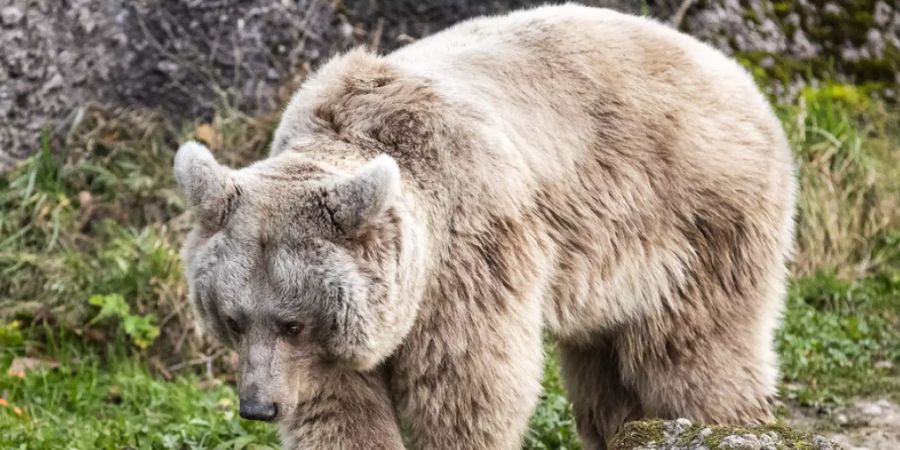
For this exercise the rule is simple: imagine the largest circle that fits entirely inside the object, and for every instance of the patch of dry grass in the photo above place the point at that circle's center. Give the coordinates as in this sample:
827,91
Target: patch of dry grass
847,152
98,214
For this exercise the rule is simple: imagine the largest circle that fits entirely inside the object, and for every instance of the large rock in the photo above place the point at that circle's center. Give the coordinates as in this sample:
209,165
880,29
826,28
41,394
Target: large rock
846,41
681,434
184,56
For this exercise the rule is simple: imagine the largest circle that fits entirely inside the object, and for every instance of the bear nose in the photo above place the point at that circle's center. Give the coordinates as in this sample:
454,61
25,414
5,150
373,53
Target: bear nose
254,409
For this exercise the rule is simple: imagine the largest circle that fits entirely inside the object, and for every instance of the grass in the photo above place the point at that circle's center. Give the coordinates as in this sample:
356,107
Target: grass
552,425
99,215
106,401
848,211
834,336
843,308
89,277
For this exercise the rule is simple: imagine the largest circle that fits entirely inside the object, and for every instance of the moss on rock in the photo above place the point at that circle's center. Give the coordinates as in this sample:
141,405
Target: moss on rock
792,43
681,434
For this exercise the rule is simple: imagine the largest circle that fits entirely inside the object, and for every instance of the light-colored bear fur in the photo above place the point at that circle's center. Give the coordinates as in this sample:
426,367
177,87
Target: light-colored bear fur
570,169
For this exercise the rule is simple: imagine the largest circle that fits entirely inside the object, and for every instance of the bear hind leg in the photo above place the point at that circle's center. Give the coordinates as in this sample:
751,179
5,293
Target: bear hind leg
602,403
722,380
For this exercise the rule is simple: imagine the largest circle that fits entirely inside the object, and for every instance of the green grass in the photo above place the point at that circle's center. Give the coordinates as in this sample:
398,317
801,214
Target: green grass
552,425
95,401
89,277
843,309
834,334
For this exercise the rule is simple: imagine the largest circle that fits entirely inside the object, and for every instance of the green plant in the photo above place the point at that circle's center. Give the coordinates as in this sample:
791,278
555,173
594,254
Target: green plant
141,329
100,213
111,401
552,424
11,334
834,333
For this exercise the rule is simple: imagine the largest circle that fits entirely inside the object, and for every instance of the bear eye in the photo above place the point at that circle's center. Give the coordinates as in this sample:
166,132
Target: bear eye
291,328
233,325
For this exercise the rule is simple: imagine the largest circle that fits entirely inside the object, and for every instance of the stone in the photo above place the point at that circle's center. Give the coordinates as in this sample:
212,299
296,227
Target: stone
11,15
841,419
181,56
681,434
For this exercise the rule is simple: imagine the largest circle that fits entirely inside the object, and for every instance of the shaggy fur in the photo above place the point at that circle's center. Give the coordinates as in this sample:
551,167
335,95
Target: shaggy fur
569,169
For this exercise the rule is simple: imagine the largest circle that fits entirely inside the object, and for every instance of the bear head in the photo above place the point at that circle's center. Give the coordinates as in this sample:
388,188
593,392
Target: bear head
297,266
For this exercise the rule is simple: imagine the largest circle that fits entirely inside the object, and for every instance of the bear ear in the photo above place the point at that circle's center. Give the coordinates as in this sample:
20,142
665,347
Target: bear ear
365,196
209,187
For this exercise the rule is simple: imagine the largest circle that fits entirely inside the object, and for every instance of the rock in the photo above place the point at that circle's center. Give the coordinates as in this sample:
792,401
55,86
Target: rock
822,443
865,423
856,41
676,428
870,409
182,56
749,441
682,435
11,15
841,419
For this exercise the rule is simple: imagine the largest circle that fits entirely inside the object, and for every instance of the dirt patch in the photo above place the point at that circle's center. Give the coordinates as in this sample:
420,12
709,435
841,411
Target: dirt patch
864,424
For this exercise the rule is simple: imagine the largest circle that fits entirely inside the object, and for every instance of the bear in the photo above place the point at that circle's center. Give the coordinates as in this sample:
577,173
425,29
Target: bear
424,218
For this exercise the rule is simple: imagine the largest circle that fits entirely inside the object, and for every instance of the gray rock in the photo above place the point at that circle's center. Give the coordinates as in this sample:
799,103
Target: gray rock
674,429
183,56
858,35
822,443
11,15
681,434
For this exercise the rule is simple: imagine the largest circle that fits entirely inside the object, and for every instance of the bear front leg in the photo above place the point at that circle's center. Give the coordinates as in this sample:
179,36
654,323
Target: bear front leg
349,410
470,382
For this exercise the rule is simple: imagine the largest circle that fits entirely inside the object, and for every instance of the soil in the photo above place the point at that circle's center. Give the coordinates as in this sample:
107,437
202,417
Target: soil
863,424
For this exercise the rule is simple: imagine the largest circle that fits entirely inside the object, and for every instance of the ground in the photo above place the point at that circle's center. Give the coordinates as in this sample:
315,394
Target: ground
97,348
865,423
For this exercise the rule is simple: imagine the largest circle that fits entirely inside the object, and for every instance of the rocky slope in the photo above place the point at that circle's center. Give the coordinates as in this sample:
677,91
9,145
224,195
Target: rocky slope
189,56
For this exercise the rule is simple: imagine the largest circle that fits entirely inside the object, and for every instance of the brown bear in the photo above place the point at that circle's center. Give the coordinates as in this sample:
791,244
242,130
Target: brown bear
424,216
